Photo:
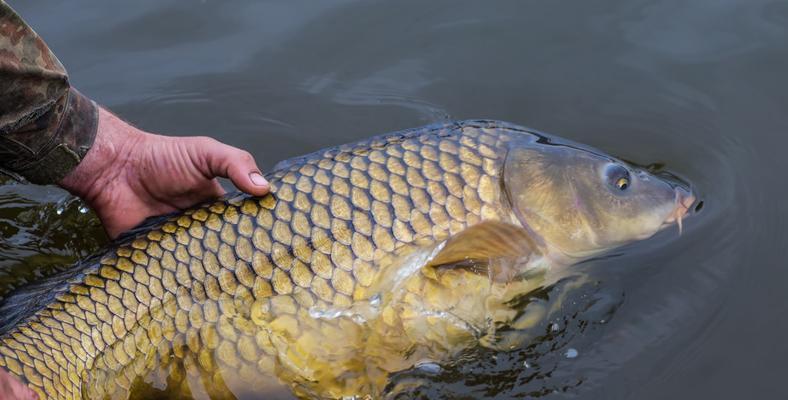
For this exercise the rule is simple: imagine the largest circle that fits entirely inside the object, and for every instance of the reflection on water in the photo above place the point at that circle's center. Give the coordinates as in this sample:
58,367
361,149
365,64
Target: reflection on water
546,363
697,86
394,86
42,231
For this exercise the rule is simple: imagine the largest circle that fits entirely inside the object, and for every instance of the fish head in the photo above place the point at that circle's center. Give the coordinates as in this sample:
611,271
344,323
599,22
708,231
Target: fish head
579,202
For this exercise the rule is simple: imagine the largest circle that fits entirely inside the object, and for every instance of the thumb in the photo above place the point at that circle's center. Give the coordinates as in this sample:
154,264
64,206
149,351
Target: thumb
221,160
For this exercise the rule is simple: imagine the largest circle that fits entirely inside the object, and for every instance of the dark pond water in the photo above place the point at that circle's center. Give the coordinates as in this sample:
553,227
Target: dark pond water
700,86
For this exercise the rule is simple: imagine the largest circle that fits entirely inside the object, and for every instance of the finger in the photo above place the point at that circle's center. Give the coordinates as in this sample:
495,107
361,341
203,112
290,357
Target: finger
216,189
12,386
236,164
206,191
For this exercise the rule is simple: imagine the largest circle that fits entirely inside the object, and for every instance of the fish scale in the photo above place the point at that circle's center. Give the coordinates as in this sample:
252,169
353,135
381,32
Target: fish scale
229,286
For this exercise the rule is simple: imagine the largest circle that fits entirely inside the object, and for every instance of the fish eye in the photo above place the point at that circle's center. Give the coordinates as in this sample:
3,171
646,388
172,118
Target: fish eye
618,177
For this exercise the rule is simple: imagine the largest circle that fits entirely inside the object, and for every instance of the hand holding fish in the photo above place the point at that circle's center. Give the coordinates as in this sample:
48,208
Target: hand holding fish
130,175
366,259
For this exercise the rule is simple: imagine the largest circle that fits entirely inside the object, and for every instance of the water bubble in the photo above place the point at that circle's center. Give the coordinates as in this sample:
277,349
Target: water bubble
571,353
526,364
374,301
59,210
355,315
83,209
429,367
554,327
319,313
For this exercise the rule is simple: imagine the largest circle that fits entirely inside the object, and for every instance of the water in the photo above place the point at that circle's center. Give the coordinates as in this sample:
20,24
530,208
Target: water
698,86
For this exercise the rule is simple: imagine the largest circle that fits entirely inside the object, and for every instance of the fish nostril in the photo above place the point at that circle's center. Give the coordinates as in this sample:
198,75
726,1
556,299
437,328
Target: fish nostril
655,167
698,206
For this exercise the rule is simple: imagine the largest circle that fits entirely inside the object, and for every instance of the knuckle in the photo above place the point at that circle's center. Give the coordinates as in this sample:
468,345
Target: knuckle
200,143
207,141
246,156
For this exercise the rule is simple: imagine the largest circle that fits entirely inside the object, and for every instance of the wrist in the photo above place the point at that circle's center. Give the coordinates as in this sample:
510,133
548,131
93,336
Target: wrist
107,159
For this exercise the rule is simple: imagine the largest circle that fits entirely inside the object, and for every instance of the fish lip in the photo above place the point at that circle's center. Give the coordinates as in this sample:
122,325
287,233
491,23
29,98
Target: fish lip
684,200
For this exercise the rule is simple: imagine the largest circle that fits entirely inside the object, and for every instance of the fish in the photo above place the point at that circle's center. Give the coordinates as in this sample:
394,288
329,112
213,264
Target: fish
364,260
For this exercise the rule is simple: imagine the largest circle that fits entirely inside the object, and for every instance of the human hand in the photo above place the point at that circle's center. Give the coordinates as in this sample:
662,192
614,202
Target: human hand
129,175
13,389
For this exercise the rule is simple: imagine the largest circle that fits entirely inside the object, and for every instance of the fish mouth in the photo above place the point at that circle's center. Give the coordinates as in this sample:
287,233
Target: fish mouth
683,200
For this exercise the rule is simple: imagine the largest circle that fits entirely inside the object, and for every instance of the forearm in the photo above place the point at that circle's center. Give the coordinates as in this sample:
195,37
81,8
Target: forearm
50,134
46,127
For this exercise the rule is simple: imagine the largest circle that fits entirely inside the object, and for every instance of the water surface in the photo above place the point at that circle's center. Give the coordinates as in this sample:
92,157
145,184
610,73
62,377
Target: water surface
697,86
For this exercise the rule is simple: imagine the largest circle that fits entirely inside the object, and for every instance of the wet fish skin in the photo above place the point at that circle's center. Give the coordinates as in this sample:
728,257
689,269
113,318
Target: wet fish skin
229,286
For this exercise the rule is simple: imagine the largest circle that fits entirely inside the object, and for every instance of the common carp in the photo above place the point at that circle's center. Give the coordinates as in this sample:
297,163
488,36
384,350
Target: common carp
364,260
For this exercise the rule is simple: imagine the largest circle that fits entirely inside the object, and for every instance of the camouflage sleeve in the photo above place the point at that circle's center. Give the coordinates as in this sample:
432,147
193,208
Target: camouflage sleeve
46,126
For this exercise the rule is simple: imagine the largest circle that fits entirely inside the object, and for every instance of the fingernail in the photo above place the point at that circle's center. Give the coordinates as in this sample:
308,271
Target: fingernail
258,179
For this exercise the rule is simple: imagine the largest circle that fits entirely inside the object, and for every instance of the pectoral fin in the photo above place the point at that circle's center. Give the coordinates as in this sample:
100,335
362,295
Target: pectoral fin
485,241
496,248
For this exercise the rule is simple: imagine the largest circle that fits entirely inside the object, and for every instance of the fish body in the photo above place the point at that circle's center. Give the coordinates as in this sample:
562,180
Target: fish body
365,259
